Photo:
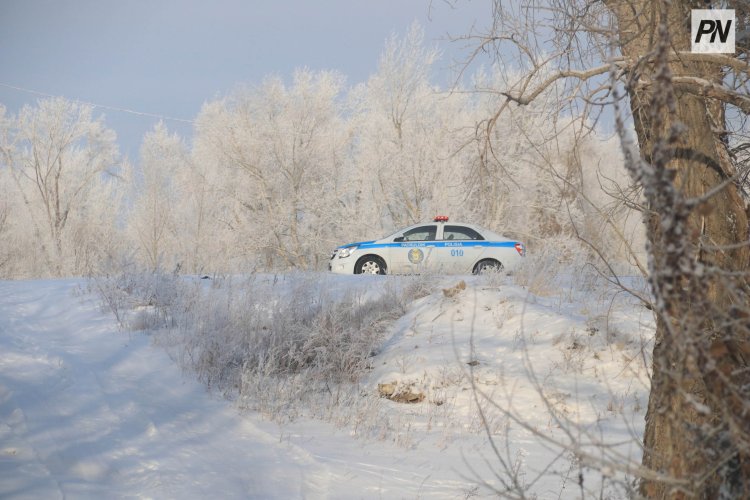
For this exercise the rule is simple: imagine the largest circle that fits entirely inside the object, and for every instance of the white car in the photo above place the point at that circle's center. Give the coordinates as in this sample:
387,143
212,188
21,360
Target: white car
442,246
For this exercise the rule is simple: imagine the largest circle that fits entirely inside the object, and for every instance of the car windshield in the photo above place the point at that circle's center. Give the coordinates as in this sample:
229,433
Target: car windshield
392,235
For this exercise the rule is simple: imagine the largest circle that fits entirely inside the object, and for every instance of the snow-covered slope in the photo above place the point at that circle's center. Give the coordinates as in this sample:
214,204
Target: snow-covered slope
90,411
560,387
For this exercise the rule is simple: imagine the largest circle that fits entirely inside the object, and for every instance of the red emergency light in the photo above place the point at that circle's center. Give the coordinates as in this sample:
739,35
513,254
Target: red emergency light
441,218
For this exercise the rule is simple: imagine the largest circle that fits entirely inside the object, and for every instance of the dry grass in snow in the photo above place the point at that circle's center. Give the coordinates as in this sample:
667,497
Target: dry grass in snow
524,394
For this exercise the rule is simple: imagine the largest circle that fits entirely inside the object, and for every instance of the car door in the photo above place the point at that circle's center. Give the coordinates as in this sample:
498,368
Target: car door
413,250
459,249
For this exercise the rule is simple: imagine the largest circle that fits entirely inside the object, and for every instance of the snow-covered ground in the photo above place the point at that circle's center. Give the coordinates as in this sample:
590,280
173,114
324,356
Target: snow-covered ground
87,411
516,390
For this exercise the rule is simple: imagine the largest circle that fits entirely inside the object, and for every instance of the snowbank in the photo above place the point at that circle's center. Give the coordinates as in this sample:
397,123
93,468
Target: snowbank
516,392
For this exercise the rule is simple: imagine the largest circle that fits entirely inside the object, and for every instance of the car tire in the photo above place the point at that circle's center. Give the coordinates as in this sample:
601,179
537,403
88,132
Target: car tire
487,266
370,264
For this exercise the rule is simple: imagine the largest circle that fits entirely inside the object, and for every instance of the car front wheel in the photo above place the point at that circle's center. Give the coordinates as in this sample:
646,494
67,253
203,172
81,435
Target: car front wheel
370,264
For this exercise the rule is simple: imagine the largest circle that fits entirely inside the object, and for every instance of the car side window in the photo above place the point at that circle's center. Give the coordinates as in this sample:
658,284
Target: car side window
421,233
460,233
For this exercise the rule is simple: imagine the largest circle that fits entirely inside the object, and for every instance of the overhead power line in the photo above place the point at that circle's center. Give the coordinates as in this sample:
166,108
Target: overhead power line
101,106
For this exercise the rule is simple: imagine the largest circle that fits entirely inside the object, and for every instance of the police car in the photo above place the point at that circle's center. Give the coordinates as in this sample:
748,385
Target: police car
441,246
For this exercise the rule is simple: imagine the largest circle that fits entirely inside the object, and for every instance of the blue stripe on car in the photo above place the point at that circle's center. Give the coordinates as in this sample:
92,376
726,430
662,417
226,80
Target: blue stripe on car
437,244
348,245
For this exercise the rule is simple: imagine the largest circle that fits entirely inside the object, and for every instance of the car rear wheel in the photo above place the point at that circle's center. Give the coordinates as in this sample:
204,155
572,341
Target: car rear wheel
370,264
488,266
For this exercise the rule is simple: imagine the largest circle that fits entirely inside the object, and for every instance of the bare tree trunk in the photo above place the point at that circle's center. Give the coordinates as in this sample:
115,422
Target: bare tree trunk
698,419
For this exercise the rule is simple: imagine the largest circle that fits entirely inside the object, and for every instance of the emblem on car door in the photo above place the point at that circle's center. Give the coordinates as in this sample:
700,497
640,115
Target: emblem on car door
416,256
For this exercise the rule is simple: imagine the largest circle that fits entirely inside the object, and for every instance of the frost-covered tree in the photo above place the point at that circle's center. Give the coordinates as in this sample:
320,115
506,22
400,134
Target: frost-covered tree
60,165
408,135
287,171
281,153
544,178
5,247
636,55
157,198
201,248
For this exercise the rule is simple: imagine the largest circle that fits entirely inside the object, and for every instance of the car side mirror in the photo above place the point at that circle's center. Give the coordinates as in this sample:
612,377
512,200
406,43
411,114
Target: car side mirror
398,239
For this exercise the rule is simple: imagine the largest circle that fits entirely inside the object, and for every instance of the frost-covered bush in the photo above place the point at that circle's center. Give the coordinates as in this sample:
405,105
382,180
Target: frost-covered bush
273,342
252,341
139,299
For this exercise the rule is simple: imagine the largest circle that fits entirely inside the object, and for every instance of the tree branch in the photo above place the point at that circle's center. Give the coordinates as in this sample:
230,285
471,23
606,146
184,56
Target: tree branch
523,100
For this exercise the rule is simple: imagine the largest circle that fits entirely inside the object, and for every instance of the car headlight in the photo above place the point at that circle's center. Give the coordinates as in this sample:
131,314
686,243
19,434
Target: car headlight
346,252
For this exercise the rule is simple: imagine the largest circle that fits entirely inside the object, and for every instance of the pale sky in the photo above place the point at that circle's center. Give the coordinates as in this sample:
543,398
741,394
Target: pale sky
168,57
